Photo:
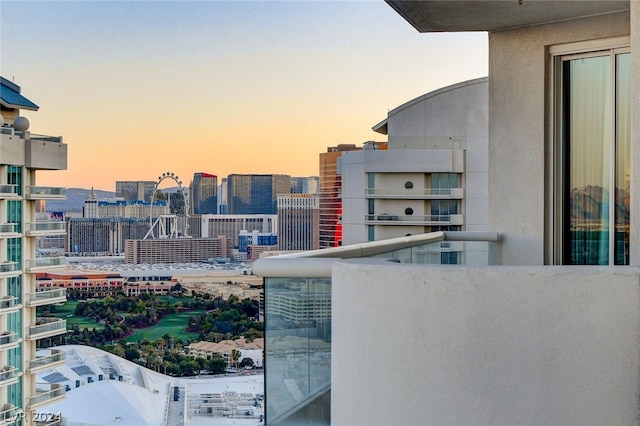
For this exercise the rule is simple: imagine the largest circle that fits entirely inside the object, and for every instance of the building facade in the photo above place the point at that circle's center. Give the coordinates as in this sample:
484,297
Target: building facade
231,225
135,190
255,194
330,190
176,250
204,193
433,176
103,235
22,155
298,222
305,185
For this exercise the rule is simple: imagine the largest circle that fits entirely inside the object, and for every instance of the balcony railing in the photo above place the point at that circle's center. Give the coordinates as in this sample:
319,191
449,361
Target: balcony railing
9,304
56,357
9,269
433,220
46,297
423,194
8,375
8,230
44,397
47,327
9,191
8,340
33,229
46,138
9,414
45,193
45,263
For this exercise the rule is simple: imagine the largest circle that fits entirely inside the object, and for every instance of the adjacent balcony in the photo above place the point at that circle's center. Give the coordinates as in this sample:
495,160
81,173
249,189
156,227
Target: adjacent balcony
45,193
9,414
43,397
9,269
424,194
430,220
56,357
9,304
46,327
45,264
46,297
9,192
9,375
9,340
9,230
37,229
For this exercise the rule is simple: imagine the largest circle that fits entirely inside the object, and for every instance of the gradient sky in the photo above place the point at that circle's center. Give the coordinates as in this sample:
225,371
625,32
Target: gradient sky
137,88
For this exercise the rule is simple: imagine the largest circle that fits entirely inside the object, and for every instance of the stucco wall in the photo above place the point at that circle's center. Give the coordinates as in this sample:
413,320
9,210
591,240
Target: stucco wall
519,130
484,346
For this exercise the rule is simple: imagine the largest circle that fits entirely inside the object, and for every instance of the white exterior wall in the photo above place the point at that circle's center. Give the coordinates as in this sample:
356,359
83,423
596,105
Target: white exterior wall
520,131
484,346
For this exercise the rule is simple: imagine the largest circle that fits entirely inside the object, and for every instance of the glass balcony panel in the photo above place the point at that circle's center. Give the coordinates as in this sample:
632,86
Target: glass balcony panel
9,191
45,138
46,297
45,228
46,327
46,396
9,304
9,413
8,228
46,361
9,269
45,193
415,194
298,345
8,373
43,263
8,339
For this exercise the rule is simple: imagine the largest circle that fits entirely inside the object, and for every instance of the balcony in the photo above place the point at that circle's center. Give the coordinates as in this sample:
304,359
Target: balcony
424,194
36,229
45,193
9,375
9,340
9,192
45,153
9,304
45,264
9,414
43,397
46,297
9,230
56,357
9,269
430,220
46,327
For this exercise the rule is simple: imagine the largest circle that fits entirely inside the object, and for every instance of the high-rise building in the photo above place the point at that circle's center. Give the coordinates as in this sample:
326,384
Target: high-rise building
298,222
204,193
330,190
135,190
305,185
255,194
231,225
425,180
22,155
176,250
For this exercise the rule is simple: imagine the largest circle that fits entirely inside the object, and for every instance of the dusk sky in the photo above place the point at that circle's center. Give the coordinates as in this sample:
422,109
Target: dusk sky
138,88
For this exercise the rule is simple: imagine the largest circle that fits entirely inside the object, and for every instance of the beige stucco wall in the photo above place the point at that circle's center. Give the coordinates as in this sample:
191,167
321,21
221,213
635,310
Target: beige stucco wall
519,130
534,345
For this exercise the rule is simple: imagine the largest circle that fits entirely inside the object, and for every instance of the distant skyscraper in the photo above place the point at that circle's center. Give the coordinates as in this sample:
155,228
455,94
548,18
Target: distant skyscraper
331,195
204,193
305,185
90,207
222,197
136,190
255,194
298,222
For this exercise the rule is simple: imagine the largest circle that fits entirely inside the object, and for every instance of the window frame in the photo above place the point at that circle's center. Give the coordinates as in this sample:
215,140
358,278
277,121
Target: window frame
558,54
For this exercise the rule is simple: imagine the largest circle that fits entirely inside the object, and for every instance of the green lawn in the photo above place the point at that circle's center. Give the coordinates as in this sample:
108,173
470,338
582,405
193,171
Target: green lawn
173,324
66,311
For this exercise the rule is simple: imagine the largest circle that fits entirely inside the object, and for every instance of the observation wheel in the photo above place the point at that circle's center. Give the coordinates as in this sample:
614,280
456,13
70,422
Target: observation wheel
168,225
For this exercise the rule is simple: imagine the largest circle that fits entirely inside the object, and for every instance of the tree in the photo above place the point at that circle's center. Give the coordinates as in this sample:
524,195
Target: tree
235,356
246,362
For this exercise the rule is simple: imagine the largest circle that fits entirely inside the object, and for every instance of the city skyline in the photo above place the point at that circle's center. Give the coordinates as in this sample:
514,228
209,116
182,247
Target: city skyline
139,88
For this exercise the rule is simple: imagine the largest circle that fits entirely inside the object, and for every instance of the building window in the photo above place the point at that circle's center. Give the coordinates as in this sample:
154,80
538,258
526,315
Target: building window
592,92
408,184
408,211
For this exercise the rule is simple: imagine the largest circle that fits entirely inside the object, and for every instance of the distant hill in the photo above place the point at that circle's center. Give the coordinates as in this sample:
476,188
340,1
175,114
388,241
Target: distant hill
75,200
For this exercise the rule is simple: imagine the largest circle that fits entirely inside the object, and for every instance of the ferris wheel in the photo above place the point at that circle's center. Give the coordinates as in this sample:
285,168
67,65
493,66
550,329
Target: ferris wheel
172,225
